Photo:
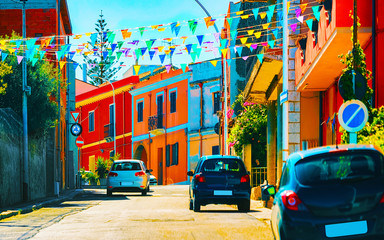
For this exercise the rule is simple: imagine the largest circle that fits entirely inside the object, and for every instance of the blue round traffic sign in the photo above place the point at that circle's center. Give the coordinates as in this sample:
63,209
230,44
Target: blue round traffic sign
353,115
76,129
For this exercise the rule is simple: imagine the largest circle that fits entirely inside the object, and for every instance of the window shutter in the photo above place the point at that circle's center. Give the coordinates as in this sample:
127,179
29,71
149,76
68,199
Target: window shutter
167,155
175,154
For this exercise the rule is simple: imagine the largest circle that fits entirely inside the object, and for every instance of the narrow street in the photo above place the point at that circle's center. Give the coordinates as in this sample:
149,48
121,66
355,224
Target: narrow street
162,214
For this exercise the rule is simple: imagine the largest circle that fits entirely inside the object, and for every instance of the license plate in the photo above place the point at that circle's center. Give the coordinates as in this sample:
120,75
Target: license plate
346,229
126,183
222,193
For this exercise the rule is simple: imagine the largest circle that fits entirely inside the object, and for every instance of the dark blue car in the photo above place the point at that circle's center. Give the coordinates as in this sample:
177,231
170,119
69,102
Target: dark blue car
220,179
331,193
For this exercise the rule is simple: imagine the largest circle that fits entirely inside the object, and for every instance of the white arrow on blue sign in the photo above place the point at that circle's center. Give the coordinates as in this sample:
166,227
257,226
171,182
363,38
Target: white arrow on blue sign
353,115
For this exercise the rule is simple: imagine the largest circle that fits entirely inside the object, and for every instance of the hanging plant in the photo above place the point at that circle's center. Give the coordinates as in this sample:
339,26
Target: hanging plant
249,127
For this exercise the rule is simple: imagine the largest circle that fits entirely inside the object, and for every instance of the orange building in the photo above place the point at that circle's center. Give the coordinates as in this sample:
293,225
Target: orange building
160,125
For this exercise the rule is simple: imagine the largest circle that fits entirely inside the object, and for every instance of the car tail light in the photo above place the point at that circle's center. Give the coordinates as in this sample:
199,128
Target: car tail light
382,199
112,174
200,178
290,200
245,179
140,174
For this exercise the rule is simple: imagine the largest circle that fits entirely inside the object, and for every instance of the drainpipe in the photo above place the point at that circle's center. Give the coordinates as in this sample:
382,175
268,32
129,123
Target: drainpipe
374,53
285,147
124,125
321,119
149,134
165,127
201,118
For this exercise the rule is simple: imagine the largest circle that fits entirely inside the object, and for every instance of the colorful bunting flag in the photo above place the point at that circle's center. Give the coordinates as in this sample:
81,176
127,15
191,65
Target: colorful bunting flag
258,34
168,67
118,54
262,15
93,38
141,29
229,21
271,43
213,62
19,59
250,32
183,66
255,12
301,19
298,12
61,63
149,43
75,65
265,26
239,12
260,57
34,61
125,33
316,12
293,27
245,58
244,16
137,69
271,10
162,57
151,54
303,7
200,39
224,52
243,40
217,36
228,61
309,23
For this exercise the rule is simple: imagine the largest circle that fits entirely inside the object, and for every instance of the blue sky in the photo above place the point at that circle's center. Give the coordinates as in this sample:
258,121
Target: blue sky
128,14
121,14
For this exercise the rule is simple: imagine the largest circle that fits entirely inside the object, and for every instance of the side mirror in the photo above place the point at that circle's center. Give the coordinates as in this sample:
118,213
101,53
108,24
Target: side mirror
190,173
149,171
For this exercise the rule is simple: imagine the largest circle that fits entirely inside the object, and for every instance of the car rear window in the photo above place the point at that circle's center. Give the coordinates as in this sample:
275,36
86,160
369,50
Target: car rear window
341,167
222,165
126,166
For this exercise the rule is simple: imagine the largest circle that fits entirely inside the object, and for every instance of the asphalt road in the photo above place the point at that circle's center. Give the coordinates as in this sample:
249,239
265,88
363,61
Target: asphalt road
162,214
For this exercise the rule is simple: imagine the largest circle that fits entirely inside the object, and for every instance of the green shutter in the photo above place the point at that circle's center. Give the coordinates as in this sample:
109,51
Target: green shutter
175,154
167,156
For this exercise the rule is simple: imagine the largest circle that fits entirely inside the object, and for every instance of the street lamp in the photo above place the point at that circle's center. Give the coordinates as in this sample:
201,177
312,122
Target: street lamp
26,90
223,66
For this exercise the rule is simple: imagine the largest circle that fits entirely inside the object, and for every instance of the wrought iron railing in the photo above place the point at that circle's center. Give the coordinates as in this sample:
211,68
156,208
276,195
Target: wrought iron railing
108,130
258,175
155,122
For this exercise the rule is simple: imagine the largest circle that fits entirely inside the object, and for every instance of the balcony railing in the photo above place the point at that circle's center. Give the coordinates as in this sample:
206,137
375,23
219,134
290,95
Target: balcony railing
258,175
155,122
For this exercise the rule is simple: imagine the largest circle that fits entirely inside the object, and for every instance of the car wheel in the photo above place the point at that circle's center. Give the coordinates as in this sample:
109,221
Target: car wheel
109,192
196,204
190,204
244,205
144,192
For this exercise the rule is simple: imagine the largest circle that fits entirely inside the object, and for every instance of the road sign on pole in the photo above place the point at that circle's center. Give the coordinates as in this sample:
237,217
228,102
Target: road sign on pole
353,115
75,115
79,142
76,129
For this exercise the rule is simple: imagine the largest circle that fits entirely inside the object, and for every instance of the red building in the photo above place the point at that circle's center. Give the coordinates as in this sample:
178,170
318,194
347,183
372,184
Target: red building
97,119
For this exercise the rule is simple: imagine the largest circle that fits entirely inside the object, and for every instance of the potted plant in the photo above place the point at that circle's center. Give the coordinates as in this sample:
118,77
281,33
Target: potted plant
102,168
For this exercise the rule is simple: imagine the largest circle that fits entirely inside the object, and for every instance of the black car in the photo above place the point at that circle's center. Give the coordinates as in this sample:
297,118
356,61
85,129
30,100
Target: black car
220,179
334,192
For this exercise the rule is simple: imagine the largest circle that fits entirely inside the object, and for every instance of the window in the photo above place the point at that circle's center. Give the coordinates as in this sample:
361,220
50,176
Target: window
111,114
140,107
38,34
175,154
111,154
91,121
223,165
173,102
216,102
172,153
215,150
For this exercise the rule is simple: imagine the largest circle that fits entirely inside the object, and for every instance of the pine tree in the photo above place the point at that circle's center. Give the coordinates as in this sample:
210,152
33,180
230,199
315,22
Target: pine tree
101,63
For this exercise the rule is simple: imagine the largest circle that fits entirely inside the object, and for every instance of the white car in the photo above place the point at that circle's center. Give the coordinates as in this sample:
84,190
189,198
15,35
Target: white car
128,176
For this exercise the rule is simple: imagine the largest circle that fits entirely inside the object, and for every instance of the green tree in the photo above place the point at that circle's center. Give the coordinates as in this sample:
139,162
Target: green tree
42,78
249,127
5,69
101,62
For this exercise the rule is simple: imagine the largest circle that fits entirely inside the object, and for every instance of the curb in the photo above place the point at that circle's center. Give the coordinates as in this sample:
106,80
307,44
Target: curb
31,208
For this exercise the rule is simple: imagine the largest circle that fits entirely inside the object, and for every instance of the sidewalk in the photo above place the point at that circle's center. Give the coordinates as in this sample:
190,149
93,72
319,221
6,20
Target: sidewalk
259,211
27,207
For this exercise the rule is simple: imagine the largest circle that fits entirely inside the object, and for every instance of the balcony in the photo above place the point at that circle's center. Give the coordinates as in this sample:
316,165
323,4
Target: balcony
316,60
155,124
108,132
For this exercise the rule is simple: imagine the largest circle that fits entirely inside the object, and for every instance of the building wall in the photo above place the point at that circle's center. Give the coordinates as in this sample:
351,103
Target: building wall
99,101
310,109
151,147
